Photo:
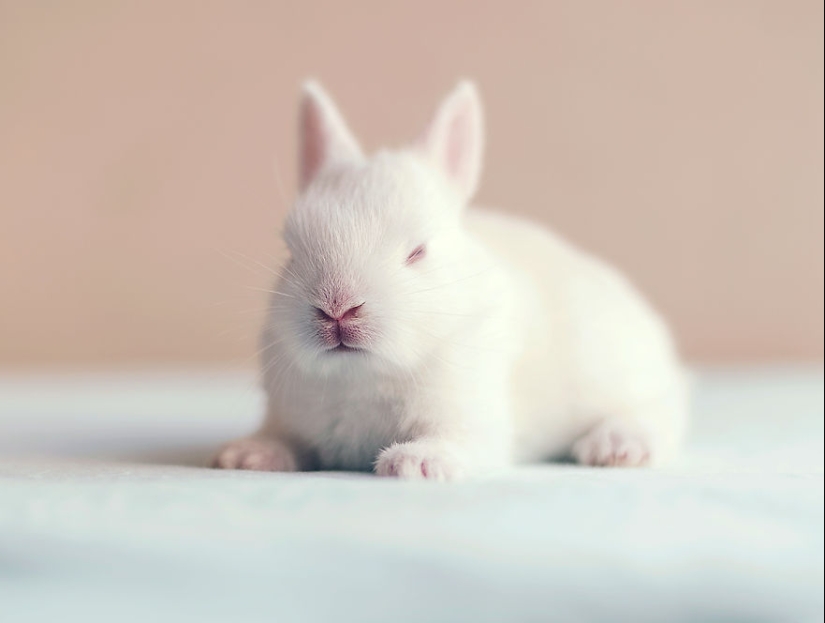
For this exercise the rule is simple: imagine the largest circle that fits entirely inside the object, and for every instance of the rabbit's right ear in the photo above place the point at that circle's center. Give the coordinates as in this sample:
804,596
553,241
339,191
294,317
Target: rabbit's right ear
323,136
454,141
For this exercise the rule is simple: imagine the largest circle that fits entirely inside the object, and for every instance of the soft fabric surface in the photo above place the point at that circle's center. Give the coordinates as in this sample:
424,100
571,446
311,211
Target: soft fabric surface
104,517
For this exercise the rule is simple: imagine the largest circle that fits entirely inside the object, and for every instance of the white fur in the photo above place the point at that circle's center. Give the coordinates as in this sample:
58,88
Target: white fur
502,344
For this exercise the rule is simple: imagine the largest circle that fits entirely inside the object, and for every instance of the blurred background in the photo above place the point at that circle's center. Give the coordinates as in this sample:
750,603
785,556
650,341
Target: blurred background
141,146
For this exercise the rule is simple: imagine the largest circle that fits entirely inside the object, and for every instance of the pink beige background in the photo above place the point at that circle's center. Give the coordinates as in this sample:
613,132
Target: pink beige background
139,143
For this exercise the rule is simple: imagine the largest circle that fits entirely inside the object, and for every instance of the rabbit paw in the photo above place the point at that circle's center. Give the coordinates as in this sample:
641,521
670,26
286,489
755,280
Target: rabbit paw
612,444
419,460
258,454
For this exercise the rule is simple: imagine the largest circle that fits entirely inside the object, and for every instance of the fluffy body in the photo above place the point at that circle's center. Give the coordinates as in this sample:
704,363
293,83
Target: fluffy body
501,344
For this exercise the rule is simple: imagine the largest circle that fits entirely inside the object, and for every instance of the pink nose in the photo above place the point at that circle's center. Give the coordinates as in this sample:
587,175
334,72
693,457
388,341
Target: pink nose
340,317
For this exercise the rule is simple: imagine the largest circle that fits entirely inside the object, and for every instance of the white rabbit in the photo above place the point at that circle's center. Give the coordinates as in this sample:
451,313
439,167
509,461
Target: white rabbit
412,336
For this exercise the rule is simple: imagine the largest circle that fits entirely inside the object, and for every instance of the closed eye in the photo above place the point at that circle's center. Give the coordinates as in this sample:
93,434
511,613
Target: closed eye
416,254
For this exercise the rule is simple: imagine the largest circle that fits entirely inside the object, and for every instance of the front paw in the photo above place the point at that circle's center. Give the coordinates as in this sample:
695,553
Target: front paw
420,460
612,444
257,454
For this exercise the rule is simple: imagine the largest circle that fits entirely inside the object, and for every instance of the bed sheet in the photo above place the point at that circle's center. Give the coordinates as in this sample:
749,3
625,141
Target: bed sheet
106,515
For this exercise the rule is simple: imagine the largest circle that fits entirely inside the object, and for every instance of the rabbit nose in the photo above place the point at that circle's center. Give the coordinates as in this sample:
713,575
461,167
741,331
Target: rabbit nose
339,316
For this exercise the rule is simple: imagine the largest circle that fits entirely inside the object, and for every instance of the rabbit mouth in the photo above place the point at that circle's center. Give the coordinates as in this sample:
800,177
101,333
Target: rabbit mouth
343,348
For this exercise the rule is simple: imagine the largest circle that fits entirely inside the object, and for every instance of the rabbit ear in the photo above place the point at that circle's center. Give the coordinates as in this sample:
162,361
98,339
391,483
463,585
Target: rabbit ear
323,135
454,141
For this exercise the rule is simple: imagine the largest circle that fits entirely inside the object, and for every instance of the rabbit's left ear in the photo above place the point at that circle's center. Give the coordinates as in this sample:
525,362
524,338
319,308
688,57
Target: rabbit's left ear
323,135
454,141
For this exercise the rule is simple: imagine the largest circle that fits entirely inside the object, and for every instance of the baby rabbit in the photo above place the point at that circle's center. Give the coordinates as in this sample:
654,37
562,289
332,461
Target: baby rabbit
411,335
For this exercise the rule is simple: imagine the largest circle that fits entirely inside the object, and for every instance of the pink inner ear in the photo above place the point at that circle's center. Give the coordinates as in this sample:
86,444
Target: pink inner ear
459,144
314,143
454,140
